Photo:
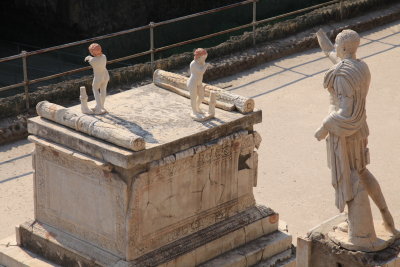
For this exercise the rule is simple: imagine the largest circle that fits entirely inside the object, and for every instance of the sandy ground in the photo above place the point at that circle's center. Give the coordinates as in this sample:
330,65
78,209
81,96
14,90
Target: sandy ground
16,186
293,176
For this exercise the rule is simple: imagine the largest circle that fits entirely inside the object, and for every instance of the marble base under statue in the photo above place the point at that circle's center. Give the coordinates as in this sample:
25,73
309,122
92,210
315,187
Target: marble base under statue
323,247
185,200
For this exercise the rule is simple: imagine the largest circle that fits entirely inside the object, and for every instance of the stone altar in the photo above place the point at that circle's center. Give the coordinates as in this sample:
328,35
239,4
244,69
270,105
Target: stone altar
186,199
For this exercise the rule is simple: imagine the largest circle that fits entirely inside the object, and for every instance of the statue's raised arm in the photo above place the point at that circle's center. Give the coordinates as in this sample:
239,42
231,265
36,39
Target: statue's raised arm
326,45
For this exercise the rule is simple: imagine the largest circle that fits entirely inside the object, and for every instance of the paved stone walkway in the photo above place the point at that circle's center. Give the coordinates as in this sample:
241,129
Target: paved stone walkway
293,176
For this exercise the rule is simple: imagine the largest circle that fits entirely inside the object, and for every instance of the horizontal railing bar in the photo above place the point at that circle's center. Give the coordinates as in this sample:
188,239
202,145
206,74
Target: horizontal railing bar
297,12
211,11
5,88
203,37
59,75
41,51
82,69
129,57
10,58
72,71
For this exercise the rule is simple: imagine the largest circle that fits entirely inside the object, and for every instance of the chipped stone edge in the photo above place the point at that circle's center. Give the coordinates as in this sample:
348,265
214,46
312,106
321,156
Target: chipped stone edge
124,158
36,237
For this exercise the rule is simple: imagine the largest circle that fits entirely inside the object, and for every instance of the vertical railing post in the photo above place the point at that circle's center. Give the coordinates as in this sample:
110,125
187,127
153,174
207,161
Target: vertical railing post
341,6
254,21
152,44
26,81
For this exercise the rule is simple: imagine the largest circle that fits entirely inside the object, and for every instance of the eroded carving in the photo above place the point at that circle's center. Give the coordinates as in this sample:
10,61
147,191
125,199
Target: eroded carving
190,190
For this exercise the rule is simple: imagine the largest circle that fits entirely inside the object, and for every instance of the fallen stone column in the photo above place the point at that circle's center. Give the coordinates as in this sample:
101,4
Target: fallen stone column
90,125
225,100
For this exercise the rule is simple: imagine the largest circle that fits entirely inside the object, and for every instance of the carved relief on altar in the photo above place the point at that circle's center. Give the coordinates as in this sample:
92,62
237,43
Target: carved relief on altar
188,191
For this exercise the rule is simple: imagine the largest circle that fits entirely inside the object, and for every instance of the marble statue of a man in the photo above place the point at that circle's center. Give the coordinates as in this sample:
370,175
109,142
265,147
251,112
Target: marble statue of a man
195,82
98,61
346,132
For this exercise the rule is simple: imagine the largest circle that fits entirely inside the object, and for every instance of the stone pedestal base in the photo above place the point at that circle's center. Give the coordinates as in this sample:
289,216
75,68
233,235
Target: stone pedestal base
383,239
318,250
251,237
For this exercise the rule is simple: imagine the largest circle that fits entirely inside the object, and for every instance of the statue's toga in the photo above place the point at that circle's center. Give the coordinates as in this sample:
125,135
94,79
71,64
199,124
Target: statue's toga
347,133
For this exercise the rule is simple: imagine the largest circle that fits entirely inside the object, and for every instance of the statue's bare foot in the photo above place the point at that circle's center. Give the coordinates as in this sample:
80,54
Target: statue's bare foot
200,111
388,222
200,116
99,111
391,229
86,111
344,227
196,116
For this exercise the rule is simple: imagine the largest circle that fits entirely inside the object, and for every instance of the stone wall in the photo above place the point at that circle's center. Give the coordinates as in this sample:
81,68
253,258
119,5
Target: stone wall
16,130
69,20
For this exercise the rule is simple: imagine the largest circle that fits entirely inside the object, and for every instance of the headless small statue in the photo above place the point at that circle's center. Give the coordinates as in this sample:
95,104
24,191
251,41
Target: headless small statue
195,83
98,62
346,131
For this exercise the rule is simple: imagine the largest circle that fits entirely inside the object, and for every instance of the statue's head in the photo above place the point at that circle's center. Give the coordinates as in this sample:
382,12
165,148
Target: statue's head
347,43
200,53
95,50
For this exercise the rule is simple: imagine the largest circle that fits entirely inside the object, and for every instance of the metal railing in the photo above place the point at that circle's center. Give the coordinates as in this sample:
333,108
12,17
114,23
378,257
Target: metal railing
152,49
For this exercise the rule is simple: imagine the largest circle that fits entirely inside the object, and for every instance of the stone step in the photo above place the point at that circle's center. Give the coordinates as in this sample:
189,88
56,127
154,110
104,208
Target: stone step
273,249
276,261
260,240
12,255
266,251
219,242
190,251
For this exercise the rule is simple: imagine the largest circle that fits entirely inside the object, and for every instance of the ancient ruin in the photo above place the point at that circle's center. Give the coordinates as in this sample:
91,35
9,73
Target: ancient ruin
346,132
145,185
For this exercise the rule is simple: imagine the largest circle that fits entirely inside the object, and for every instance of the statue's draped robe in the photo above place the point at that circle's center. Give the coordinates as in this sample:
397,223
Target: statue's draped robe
347,82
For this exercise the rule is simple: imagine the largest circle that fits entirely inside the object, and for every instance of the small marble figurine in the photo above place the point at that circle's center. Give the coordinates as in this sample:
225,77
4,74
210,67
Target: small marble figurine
98,62
346,131
195,85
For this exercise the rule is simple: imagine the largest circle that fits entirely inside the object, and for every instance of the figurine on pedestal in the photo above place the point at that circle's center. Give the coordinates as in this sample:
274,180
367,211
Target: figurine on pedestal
195,85
98,61
347,133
